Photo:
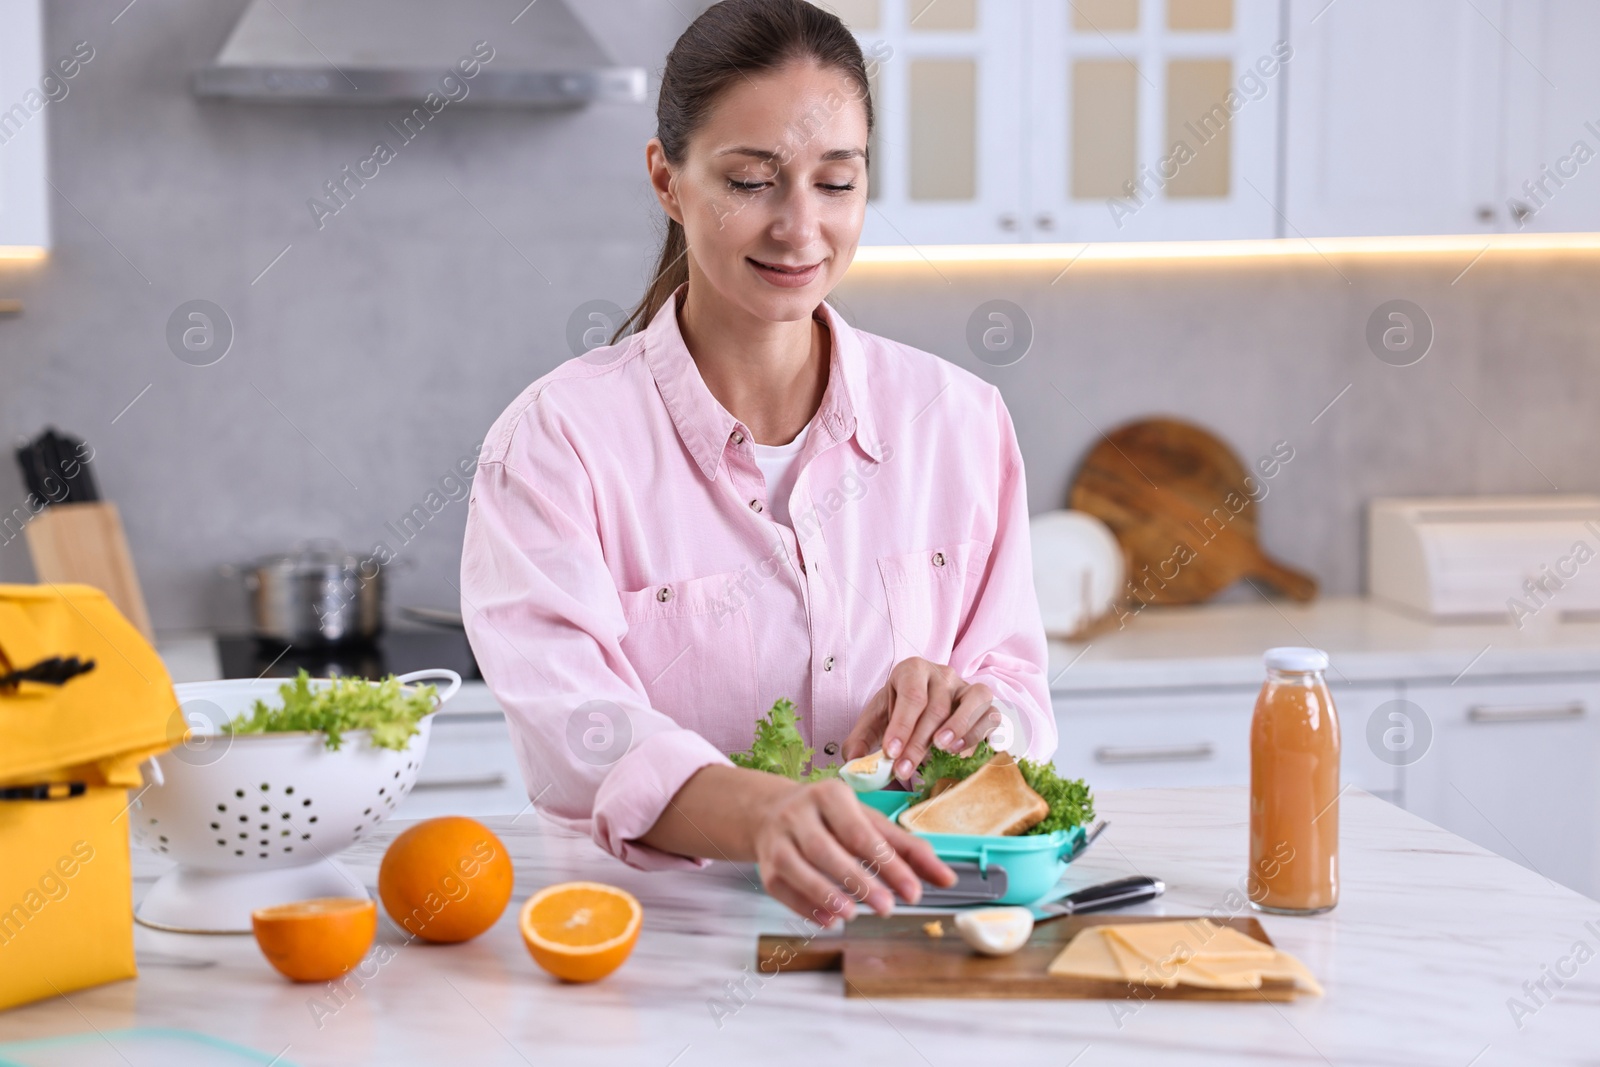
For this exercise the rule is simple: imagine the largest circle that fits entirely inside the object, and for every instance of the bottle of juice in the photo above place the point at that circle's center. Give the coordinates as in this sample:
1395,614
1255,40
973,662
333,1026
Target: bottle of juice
1294,787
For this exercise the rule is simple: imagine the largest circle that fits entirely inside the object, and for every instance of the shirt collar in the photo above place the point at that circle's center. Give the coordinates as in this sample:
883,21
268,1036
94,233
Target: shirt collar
705,425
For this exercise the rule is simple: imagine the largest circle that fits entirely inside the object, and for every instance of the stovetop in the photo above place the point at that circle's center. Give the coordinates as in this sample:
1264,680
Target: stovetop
390,652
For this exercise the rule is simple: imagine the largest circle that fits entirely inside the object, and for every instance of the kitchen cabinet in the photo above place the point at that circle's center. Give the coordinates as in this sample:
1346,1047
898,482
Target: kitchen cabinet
947,86
1513,767
1151,121
1437,117
1393,118
1489,731
1033,120
25,97
470,769
1014,121
1163,738
1510,764
1551,170
1132,741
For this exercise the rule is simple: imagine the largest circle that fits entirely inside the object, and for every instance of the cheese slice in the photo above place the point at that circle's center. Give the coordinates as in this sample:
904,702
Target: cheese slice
1250,975
1174,942
1087,955
1137,967
1194,952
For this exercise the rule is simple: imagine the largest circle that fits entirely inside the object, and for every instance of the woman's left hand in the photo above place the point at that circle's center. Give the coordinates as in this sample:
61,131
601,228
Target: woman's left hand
923,704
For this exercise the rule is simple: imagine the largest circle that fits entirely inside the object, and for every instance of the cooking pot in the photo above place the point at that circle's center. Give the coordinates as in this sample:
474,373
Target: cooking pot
318,594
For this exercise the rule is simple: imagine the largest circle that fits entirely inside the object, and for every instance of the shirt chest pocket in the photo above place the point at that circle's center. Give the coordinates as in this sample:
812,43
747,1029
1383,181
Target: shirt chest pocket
691,643
926,592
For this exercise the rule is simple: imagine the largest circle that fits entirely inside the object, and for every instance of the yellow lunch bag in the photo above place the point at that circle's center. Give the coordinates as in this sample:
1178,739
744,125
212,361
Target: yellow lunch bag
84,700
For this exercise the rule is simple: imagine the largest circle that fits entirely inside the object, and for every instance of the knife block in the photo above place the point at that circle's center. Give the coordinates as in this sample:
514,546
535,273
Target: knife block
84,543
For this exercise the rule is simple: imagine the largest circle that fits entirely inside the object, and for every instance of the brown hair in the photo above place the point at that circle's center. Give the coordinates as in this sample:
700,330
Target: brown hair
733,39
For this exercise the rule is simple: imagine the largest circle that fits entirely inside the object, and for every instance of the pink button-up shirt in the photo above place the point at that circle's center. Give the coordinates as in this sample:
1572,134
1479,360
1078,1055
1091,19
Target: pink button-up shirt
635,608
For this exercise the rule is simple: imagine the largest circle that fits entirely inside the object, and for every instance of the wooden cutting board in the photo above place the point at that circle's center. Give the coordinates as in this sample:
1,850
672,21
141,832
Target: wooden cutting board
1176,498
892,956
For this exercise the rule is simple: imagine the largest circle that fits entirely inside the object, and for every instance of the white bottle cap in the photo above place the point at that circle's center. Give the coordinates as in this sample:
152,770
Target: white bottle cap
1296,658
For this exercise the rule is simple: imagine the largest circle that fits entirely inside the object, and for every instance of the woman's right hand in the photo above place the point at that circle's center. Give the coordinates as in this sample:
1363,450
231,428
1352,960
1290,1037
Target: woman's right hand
822,851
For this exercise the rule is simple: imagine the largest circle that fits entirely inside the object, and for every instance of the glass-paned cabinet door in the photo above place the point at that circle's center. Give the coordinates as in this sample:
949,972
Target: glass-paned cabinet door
24,99
946,88
1152,119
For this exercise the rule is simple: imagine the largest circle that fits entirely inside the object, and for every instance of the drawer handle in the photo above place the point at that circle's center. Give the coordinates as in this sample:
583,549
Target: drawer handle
1160,754
1528,713
484,781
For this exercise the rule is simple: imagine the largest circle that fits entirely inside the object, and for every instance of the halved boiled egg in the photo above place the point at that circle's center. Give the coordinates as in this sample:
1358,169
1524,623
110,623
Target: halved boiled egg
867,773
995,931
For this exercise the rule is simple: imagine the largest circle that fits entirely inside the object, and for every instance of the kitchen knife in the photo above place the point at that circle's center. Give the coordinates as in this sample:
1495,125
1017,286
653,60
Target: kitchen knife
1102,897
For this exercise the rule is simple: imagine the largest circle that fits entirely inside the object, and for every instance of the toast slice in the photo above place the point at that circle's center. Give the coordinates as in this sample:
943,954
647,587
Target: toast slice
994,799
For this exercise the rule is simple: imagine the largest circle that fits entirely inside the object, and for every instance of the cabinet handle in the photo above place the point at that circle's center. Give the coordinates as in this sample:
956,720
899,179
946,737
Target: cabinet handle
484,781
463,718
1008,222
1529,713
1158,754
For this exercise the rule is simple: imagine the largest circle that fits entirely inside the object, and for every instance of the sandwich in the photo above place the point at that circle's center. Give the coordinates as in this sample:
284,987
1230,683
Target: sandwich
994,799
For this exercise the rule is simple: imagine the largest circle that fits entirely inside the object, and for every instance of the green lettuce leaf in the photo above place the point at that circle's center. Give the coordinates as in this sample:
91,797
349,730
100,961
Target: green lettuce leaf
779,749
347,704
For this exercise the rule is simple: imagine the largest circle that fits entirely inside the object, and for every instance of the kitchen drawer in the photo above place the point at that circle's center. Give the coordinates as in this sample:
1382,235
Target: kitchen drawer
1159,738
1371,764
470,769
1515,767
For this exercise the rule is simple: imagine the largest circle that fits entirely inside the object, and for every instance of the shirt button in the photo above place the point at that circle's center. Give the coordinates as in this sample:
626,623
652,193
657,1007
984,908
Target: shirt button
664,594
755,505
736,437
938,559
831,748
827,664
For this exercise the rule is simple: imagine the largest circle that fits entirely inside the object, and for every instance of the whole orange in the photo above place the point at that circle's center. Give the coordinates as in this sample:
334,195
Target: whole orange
580,931
446,879
316,940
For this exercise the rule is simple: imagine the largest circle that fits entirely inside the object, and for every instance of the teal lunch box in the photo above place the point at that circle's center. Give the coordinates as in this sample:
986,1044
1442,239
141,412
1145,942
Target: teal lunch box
1033,863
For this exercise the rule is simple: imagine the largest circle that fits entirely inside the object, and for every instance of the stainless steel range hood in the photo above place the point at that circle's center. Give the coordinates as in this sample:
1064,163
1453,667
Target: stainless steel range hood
389,51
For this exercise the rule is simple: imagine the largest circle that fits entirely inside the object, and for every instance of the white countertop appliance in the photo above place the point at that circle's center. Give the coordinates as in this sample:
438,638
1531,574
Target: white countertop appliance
1516,558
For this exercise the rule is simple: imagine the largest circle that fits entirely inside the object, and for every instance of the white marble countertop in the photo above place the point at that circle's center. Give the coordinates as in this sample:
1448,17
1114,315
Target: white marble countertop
1221,645
1430,939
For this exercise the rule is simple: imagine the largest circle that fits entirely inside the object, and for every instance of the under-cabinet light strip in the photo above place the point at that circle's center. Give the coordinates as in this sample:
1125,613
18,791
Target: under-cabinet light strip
1470,244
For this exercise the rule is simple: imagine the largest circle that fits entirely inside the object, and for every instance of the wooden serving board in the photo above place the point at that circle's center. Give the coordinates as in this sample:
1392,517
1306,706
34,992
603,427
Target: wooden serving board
892,956
1161,484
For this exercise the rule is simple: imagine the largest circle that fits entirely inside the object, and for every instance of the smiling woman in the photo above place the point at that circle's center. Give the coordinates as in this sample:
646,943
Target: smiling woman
744,499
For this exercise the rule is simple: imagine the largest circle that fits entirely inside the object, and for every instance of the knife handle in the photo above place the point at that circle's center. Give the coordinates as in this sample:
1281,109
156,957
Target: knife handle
1123,891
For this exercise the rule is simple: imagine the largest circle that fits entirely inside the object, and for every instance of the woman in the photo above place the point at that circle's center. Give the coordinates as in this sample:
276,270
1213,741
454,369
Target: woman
747,499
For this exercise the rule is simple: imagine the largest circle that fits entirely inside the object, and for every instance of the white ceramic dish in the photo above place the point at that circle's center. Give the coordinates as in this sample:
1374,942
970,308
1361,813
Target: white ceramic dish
1078,569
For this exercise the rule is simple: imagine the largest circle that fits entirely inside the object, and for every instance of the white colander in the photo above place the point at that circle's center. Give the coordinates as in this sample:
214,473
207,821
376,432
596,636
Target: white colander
255,819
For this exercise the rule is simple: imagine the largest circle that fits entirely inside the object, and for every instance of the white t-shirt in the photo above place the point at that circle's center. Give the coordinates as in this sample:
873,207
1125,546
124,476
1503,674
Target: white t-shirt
777,466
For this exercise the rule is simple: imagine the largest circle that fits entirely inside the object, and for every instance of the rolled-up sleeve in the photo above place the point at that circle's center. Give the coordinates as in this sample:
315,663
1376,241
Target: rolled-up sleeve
1002,642
545,623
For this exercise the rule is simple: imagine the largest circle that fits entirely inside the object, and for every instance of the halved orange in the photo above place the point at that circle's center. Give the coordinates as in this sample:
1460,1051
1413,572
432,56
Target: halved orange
580,931
316,940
